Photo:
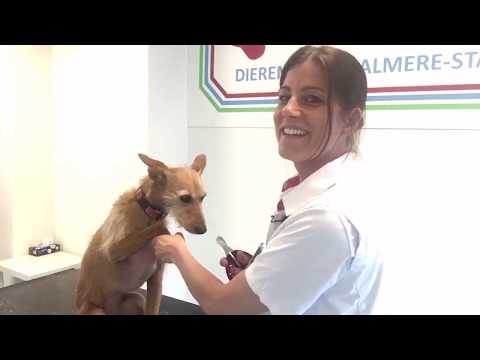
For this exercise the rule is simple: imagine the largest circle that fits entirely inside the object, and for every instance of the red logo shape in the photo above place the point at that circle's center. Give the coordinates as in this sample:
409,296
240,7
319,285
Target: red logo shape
252,51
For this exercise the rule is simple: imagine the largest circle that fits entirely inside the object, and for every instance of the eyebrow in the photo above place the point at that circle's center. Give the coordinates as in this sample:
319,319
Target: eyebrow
306,88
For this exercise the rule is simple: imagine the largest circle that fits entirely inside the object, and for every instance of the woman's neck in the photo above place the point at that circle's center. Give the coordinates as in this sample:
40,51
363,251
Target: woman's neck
308,167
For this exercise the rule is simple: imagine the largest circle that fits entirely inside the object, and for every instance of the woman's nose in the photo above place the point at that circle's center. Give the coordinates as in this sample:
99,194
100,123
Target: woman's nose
292,107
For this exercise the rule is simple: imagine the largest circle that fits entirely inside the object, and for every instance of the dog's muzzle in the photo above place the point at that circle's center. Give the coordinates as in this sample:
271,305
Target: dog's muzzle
199,229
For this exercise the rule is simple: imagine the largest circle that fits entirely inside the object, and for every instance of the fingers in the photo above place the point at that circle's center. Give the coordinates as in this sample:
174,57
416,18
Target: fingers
223,262
232,270
242,257
235,270
166,246
160,253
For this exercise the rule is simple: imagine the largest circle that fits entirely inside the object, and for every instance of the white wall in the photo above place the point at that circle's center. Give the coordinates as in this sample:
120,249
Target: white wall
6,130
26,147
167,128
167,103
427,197
101,122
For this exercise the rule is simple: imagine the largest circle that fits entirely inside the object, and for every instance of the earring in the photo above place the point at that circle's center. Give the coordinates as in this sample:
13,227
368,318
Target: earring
349,142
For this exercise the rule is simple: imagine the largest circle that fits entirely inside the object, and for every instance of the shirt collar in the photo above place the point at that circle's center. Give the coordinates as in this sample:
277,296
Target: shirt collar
317,183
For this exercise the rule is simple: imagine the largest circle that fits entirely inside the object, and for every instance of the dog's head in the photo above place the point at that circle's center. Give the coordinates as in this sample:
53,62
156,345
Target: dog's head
178,190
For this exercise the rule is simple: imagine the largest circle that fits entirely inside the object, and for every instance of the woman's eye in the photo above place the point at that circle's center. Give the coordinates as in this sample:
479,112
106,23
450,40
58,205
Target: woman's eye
283,99
186,198
311,99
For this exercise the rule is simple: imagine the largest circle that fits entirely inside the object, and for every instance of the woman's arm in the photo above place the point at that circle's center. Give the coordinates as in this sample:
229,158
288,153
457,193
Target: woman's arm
214,297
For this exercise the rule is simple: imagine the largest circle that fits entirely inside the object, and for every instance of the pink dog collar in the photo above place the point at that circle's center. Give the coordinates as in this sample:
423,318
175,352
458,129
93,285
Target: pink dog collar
149,209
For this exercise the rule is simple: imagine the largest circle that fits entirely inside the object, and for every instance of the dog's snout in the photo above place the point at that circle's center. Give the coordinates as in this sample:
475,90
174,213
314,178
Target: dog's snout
199,229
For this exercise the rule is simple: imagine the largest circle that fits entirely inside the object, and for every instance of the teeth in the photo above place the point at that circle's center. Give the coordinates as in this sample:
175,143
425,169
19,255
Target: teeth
291,131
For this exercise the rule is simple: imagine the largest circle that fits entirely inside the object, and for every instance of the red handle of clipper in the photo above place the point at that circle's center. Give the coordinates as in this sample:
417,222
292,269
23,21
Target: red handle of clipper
231,263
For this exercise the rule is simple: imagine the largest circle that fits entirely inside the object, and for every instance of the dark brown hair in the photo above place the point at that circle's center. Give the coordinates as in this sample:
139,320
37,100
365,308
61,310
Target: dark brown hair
346,79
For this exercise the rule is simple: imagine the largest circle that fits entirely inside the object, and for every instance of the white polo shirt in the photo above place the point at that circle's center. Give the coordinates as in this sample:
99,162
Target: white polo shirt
317,257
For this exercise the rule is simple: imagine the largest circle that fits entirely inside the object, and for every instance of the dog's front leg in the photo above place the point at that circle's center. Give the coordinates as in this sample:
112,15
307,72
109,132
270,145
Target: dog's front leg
121,249
90,309
154,291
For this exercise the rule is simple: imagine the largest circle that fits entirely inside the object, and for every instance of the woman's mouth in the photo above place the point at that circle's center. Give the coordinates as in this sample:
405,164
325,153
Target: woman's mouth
293,131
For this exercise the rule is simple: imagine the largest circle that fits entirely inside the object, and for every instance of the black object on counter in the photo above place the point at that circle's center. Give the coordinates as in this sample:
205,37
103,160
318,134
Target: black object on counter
55,295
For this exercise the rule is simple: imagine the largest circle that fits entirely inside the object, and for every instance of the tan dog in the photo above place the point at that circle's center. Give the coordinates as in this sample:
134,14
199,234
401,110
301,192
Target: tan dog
120,257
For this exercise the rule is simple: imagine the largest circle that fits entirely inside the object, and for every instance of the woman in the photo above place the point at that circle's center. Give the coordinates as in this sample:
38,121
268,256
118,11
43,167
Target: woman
316,259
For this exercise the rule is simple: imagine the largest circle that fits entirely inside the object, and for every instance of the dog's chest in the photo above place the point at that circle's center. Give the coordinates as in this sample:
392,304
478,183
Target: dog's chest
137,268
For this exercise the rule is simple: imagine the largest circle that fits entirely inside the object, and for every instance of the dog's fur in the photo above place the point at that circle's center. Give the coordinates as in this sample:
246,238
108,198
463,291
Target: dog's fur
120,256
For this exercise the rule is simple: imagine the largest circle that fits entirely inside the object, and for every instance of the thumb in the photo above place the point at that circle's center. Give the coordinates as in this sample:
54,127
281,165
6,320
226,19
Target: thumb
224,262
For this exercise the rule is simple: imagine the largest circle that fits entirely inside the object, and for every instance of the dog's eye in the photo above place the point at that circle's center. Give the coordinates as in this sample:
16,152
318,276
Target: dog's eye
203,197
187,199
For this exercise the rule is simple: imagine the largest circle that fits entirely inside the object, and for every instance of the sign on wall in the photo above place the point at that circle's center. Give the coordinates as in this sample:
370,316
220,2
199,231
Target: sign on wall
245,78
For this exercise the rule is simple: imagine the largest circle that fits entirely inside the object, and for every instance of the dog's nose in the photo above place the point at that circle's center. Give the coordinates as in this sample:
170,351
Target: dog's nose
200,229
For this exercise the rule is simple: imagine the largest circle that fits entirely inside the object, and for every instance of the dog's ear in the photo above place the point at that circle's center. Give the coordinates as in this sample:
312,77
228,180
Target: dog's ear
199,163
156,169
151,162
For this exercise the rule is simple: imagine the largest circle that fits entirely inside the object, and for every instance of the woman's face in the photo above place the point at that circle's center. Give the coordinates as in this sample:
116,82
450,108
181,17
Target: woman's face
301,117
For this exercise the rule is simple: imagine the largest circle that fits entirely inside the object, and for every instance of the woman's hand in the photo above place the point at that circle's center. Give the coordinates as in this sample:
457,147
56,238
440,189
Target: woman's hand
242,257
167,247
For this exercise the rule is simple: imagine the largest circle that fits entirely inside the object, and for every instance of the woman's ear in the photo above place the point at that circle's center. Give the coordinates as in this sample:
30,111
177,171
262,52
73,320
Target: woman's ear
353,121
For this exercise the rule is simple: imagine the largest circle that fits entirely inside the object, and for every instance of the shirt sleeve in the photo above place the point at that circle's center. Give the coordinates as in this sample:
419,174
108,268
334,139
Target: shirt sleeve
303,259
